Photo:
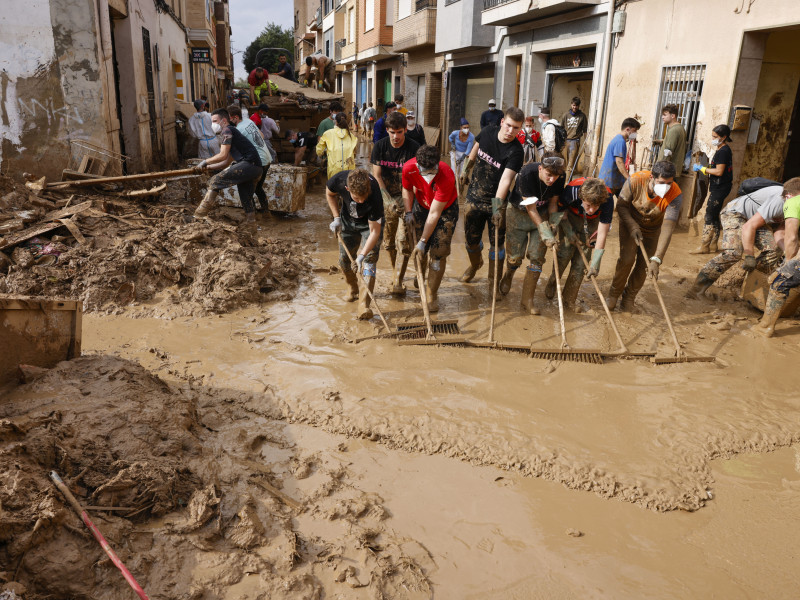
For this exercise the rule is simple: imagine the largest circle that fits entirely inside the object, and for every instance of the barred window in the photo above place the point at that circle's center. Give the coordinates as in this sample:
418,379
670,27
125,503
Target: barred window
681,85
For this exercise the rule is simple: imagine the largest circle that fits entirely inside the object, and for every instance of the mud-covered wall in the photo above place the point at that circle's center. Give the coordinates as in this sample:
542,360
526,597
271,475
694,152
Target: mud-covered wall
774,102
51,90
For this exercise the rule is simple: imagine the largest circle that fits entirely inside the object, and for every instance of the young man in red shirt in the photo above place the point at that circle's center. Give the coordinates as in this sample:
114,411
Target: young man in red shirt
430,198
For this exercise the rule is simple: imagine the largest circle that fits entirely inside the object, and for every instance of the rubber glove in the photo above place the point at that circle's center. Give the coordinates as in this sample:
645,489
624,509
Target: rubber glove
569,232
594,264
667,153
200,167
464,179
636,234
336,225
409,219
653,268
749,262
546,234
696,167
357,263
497,211
420,247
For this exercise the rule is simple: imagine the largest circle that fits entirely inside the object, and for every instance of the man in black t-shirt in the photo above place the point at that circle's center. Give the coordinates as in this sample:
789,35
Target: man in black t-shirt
302,141
497,157
388,157
243,163
358,219
532,201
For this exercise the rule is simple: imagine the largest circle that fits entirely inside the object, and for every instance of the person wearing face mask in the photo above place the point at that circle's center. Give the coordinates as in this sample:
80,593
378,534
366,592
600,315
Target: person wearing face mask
491,117
649,206
329,122
241,164
431,203
751,221
720,173
200,128
461,142
389,156
576,123
253,133
554,135
530,139
359,221
414,130
497,157
673,148
586,209
302,142
528,230
788,276
613,170
398,101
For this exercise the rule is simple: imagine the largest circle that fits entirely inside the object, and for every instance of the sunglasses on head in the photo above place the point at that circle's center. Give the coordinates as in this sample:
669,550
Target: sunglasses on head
553,161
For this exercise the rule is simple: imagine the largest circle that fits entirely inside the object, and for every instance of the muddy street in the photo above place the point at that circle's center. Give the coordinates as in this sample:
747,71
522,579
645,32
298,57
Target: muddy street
410,471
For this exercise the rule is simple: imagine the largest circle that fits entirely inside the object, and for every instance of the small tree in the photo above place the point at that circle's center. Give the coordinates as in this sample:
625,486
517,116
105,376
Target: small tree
273,36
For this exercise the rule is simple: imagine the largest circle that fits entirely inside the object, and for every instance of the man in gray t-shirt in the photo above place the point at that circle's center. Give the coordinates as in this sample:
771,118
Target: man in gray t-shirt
748,222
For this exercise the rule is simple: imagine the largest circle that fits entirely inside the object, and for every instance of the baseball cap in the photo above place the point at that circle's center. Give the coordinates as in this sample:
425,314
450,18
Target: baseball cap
492,102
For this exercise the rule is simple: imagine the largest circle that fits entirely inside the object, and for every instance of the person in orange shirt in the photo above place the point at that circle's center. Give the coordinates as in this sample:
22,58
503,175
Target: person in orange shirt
649,206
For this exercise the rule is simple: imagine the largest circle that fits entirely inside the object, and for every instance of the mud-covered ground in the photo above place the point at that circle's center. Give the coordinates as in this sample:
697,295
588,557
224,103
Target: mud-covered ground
146,256
473,465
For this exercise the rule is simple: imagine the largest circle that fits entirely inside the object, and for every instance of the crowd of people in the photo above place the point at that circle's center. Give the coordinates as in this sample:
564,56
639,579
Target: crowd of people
517,184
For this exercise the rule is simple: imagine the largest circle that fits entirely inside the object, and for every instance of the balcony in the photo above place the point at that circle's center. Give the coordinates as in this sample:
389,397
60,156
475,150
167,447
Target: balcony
416,30
511,12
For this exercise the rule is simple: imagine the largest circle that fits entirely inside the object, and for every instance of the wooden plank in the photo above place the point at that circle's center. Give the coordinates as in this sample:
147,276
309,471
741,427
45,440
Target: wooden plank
73,229
21,236
28,303
68,211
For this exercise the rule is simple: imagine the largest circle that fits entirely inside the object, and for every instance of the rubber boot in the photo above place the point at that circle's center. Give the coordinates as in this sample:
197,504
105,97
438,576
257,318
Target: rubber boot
352,282
508,276
249,224
433,283
392,257
475,263
529,290
772,312
550,288
705,241
714,245
701,284
491,273
572,286
611,301
627,304
398,289
364,311
423,262
208,203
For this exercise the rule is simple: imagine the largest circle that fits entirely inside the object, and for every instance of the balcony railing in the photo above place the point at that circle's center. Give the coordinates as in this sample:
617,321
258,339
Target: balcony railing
425,4
487,4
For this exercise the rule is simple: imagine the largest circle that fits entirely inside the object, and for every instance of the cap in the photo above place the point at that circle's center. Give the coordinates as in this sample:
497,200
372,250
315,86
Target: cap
492,102
464,121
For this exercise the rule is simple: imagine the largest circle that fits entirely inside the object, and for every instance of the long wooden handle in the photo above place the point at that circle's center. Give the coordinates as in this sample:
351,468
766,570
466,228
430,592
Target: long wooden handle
495,282
358,273
560,301
423,294
121,178
622,346
661,301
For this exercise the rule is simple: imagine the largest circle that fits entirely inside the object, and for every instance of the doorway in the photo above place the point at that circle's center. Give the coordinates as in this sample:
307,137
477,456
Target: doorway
791,166
562,87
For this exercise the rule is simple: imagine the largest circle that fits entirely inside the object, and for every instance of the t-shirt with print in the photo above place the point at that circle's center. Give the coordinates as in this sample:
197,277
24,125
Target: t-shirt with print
570,200
241,147
609,172
723,156
574,124
352,212
494,157
391,161
442,188
529,185
791,208
768,202
253,133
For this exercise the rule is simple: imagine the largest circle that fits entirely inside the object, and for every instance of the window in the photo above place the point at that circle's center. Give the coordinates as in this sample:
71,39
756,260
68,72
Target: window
403,9
681,85
369,15
328,6
351,31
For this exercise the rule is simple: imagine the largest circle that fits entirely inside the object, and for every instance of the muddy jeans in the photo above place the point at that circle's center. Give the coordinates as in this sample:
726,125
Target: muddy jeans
732,248
571,150
354,235
523,239
714,206
394,228
439,245
630,258
260,193
476,217
568,253
244,176
788,277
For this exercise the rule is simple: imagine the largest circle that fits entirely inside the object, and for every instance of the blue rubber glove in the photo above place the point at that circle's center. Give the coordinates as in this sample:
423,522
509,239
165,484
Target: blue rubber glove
594,265
696,167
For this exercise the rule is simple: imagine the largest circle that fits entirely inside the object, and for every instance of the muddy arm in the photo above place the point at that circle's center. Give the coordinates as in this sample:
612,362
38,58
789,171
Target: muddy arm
624,207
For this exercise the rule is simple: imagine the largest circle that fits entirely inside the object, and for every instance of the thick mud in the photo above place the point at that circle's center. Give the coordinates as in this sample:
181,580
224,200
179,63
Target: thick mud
472,462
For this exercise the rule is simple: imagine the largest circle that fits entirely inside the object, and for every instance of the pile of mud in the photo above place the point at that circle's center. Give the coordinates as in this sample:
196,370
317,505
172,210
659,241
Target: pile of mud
212,500
113,251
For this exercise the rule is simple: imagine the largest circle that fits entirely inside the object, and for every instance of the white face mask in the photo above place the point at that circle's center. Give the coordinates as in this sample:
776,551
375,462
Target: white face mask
465,130
541,120
632,135
429,175
661,189
216,127
715,142
528,129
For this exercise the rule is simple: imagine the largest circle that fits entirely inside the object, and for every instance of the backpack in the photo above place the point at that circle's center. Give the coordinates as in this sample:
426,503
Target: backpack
561,137
748,186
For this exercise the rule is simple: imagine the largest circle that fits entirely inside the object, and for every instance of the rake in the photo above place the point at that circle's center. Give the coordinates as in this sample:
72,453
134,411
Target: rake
680,355
364,283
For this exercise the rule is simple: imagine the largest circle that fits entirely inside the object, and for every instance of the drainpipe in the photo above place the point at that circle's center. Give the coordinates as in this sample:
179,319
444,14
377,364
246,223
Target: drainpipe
600,113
